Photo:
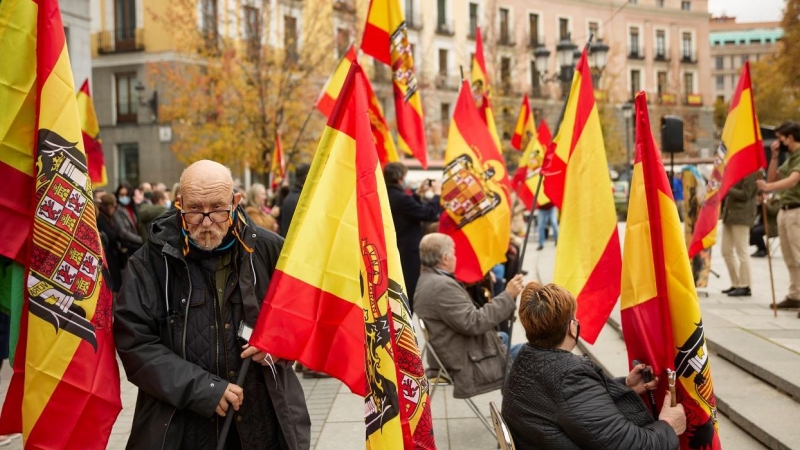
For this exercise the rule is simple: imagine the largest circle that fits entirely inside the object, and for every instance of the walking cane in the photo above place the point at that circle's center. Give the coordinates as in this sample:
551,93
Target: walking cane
244,334
765,218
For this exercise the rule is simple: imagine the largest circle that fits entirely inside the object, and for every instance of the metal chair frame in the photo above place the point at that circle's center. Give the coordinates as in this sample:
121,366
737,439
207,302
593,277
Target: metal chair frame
443,371
503,434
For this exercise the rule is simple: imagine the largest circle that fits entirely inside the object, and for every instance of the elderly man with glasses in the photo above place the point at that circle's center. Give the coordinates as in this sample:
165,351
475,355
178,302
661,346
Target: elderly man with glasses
203,272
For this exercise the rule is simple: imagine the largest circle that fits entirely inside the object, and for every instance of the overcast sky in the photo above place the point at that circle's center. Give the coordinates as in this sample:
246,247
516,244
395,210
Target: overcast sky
748,10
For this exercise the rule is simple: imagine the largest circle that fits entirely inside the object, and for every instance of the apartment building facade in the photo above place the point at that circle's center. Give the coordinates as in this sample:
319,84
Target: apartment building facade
129,37
732,44
659,46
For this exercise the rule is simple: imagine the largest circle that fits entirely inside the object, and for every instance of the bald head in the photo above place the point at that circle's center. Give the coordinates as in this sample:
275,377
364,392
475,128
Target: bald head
206,172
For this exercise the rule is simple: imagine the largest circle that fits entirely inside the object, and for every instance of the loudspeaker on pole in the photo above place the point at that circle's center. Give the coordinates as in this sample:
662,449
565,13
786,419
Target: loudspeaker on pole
671,134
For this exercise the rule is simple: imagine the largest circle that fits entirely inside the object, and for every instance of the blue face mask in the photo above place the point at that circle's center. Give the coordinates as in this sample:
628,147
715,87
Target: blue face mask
168,203
124,201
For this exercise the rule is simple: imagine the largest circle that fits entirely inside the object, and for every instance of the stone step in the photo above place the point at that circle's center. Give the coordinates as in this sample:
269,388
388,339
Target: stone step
754,413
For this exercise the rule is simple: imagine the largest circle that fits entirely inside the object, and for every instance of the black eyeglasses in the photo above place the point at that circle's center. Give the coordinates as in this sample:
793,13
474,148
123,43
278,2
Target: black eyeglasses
216,216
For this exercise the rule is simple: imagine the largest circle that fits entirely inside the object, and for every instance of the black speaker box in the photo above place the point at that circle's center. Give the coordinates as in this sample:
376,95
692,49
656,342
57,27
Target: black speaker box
671,134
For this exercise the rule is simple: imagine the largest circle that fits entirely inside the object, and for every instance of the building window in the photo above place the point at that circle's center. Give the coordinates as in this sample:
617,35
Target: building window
633,2
636,83
505,32
720,83
127,107
533,25
128,157
444,117
290,38
563,29
634,50
660,3
342,41
473,20
210,31
441,17
687,47
719,63
661,79
661,44
252,29
505,72
688,83
442,62
125,25
594,30
686,6
734,80
536,88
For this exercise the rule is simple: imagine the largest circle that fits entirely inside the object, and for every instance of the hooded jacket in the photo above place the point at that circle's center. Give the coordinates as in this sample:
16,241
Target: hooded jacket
178,345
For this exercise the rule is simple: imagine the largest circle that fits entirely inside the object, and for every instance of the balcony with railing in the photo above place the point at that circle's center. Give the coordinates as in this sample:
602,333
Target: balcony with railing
447,81
506,38
693,100
445,28
662,55
689,57
121,41
667,99
635,53
344,6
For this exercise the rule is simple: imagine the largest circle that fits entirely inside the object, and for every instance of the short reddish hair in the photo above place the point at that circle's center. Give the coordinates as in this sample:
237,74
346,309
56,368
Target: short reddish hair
545,313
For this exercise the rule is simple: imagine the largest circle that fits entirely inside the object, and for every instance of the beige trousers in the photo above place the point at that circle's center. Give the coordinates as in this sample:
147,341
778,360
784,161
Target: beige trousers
789,232
735,239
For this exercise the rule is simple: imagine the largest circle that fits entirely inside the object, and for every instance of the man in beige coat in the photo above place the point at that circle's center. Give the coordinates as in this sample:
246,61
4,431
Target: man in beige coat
461,333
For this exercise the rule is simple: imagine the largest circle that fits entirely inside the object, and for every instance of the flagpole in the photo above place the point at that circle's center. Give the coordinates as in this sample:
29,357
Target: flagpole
765,218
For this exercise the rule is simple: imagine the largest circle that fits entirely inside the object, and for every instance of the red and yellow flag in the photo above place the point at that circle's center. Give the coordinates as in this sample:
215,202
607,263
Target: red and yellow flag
338,287
65,370
17,125
387,152
475,193
482,90
661,317
526,178
277,166
90,129
588,260
740,153
386,39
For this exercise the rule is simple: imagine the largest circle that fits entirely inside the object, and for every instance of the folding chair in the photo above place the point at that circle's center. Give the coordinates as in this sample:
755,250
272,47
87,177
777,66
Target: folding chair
442,371
502,432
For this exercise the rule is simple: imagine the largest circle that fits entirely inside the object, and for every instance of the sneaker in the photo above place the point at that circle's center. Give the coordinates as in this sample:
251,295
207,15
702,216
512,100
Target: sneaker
759,254
540,247
788,303
740,292
6,439
729,290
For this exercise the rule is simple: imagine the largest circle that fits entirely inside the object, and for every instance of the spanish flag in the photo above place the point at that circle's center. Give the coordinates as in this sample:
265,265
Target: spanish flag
386,39
65,390
90,129
277,166
740,153
588,260
526,178
387,152
482,89
661,317
475,193
337,300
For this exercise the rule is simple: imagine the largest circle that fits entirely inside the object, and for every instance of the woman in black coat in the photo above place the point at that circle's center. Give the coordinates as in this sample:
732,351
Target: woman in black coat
554,399
111,244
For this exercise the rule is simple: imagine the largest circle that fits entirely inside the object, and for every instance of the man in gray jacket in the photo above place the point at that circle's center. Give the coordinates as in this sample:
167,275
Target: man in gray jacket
204,270
461,333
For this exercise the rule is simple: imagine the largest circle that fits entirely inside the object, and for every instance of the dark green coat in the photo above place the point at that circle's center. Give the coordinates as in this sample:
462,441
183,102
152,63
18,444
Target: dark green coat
739,206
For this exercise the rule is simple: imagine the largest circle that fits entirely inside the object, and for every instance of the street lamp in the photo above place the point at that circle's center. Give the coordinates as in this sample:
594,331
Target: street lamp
627,113
152,103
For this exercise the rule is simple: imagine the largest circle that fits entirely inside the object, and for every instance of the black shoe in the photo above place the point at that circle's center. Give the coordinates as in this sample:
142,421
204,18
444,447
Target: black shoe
759,254
729,290
740,292
788,303
540,247
308,373
298,367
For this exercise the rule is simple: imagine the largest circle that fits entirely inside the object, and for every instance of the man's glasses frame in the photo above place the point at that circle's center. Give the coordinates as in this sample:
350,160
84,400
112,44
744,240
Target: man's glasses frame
216,216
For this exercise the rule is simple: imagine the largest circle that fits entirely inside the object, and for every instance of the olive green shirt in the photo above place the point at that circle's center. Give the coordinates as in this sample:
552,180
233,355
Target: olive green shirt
790,196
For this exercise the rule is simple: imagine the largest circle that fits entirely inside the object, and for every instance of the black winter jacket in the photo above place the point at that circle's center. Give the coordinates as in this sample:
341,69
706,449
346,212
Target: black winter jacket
557,400
178,345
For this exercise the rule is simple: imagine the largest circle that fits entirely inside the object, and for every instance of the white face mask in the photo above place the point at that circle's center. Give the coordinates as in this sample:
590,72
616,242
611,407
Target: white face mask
428,195
168,203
